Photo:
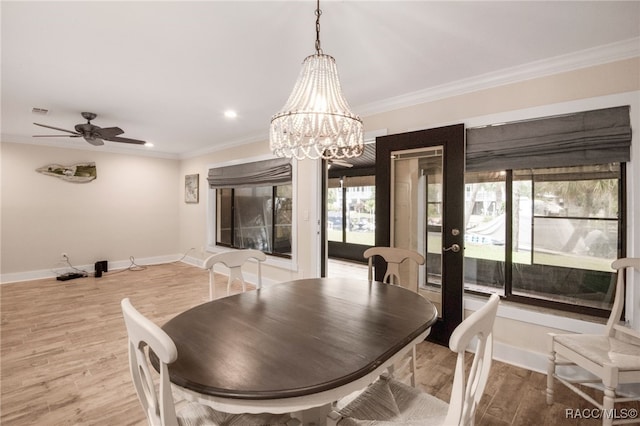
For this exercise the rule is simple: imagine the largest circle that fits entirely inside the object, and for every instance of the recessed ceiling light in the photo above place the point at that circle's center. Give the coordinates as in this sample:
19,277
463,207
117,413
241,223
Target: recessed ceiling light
148,144
230,113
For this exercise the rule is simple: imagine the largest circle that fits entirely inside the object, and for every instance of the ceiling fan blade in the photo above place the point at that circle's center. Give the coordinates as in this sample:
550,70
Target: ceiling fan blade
57,128
95,141
56,136
93,134
126,140
109,132
341,163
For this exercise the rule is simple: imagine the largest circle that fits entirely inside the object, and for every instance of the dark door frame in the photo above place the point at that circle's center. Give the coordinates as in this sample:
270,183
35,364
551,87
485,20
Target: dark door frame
451,138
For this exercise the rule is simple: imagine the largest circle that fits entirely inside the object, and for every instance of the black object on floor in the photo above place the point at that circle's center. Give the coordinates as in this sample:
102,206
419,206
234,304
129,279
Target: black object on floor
100,267
69,276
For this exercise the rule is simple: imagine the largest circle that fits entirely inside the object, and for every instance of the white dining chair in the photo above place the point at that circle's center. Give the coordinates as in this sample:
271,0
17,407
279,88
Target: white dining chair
157,401
390,402
394,257
612,357
234,260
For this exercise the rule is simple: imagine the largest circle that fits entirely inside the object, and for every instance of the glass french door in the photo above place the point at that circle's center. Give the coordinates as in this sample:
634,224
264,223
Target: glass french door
420,180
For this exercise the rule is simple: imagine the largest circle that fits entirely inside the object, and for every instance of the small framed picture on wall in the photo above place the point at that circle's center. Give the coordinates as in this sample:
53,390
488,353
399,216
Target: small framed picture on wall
191,188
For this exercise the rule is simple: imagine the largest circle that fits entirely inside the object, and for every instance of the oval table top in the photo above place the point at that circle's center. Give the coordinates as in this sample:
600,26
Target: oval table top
294,338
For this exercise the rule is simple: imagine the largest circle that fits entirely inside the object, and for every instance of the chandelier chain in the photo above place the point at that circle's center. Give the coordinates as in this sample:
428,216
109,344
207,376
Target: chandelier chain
318,13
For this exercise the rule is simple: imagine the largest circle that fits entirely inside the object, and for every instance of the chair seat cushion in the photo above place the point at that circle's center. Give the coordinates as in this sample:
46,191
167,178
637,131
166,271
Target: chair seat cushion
390,402
603,349
194,414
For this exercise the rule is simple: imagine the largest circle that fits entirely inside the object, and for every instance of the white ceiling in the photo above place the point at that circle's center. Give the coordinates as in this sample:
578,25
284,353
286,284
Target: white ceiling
166,71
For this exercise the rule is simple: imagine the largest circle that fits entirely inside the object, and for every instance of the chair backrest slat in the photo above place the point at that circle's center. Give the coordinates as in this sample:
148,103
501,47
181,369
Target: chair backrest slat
143,334
234,260
394,257
621,266
468,388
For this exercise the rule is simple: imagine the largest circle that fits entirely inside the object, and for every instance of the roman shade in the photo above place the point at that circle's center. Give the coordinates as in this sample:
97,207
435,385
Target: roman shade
259,173
589,137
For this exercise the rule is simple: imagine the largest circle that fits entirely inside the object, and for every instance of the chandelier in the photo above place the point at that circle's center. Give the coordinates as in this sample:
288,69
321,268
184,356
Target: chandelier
316,121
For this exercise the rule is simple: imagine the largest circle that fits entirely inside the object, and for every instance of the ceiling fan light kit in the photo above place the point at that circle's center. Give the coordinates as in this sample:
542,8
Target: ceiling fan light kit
91,133
316,121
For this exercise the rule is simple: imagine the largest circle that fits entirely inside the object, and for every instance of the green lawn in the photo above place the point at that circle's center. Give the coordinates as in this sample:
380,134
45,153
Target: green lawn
367,238
490,252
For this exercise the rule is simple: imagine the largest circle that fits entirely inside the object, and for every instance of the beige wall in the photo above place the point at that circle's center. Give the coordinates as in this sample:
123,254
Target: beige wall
602,80
136,206
129,210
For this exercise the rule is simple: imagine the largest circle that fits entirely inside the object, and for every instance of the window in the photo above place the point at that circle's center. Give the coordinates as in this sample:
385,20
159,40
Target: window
544,209
351,205
550,238
254,203
257,218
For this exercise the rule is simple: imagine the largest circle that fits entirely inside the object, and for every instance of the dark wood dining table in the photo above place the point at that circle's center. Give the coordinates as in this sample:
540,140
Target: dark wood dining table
293,346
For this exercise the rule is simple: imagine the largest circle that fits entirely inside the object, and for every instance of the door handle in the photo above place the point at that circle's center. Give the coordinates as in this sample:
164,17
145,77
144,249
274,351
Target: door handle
454,248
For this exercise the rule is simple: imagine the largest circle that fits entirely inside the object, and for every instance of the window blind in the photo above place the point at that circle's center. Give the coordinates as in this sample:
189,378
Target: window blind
589,137
259,173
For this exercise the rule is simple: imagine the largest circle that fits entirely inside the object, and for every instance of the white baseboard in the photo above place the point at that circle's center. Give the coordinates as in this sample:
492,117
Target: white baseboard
118,265
538,361
193,261
519,357
525,358
90,269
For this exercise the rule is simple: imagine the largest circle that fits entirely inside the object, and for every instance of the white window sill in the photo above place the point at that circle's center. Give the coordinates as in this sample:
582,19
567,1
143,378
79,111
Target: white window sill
540,316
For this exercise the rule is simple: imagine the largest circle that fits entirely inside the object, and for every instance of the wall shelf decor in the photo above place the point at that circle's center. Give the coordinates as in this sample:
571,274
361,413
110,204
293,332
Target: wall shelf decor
77,173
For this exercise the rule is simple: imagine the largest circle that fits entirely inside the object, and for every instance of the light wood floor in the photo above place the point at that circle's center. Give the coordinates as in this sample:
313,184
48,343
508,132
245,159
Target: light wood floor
64,353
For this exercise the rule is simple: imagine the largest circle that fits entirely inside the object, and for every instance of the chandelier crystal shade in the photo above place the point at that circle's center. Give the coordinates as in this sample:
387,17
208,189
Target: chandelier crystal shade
316,121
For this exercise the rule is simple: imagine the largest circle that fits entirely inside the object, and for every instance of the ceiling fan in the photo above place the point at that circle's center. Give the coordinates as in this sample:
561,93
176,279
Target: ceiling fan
91,133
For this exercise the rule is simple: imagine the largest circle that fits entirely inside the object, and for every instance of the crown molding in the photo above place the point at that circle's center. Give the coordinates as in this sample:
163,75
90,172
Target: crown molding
608,53
613,52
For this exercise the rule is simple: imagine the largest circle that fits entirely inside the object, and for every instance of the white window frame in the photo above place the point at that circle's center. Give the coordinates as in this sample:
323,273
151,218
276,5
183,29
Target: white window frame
212,220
